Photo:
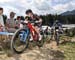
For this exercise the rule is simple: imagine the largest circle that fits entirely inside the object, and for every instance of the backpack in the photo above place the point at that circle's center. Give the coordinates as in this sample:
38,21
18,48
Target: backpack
4,18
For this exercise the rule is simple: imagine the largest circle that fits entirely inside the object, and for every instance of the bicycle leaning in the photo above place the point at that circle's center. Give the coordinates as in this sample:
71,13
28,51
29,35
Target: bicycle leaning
21,38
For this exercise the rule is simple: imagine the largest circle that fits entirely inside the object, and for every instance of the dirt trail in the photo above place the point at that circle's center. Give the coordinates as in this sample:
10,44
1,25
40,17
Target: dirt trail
47,52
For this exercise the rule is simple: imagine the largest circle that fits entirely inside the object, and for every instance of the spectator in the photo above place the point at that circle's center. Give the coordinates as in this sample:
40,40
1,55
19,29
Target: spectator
2,20
18,21
11,24
22,18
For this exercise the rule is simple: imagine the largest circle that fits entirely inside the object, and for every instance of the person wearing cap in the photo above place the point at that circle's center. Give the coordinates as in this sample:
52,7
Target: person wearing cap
11,23
2,20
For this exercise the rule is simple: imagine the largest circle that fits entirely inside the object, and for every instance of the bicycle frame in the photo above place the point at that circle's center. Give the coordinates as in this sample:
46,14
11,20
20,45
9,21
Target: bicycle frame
32,31
29,30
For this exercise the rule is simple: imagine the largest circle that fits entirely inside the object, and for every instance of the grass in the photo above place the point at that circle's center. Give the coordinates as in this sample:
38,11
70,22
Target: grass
68,49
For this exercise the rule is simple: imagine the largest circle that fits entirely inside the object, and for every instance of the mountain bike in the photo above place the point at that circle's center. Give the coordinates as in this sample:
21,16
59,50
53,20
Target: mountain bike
20,39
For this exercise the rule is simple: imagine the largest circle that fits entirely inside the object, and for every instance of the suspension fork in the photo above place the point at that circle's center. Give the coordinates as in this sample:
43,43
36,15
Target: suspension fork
24,35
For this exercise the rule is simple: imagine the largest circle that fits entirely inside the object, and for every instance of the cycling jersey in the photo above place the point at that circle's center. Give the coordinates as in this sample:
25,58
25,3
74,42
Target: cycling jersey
33,20
57,25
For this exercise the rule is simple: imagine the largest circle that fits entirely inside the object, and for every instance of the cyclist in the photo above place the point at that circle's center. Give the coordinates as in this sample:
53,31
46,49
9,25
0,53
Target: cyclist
36,21
57,25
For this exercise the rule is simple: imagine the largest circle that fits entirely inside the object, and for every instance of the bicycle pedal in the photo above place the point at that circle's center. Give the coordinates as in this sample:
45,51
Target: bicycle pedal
31,40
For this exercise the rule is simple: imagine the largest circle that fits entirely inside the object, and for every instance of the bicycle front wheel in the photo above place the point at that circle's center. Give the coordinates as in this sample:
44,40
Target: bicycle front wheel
18,45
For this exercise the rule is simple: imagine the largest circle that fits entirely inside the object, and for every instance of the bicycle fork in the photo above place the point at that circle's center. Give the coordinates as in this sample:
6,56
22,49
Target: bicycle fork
24,35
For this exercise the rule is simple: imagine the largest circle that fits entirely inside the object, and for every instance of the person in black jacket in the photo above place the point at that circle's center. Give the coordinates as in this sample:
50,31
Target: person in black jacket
35,20
2,19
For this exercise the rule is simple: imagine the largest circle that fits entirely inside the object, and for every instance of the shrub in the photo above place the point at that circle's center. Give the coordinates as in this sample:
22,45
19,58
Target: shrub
71,32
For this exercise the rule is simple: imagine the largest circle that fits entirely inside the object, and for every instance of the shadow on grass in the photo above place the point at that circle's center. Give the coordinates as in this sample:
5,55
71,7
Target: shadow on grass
47,54
67,42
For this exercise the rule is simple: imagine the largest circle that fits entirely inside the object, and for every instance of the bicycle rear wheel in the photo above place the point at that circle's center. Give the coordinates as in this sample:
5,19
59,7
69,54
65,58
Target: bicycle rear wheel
41,42
57,38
